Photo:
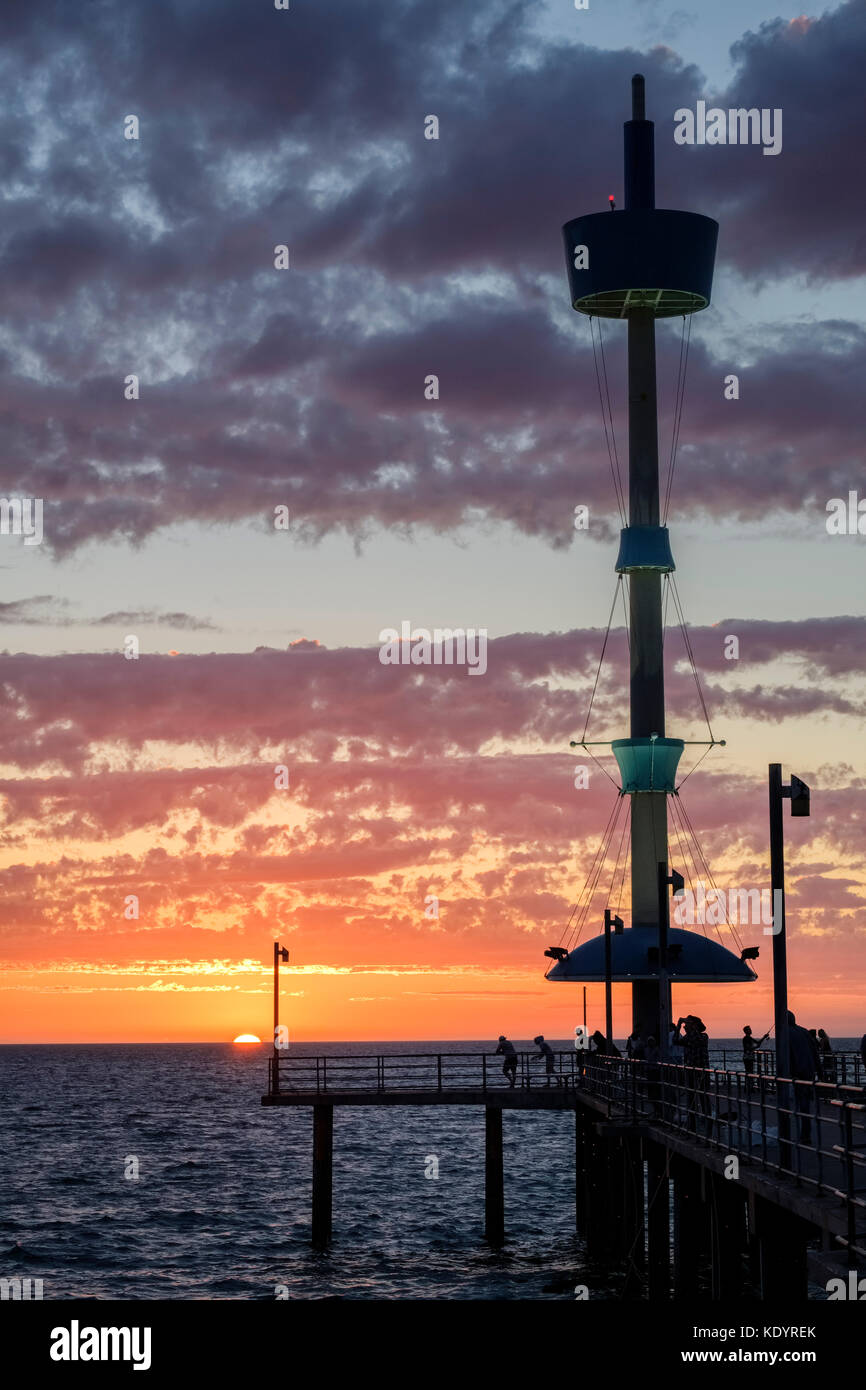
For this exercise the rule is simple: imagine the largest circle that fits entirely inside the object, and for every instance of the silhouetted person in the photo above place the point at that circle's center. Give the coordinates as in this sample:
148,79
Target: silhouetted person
694,1042
827,1056
603,1047
546,1051
804,1067
509,1066
696,1056
635,1046
750,1047
652,1060
750,1055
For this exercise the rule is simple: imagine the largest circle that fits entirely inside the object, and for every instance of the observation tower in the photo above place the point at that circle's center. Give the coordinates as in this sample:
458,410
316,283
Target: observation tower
641,263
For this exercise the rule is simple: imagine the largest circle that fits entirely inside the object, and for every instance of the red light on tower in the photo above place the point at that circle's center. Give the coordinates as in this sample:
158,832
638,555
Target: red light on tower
612,203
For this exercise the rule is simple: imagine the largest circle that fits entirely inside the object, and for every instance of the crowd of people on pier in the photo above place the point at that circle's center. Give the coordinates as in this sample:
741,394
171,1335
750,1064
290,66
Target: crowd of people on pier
811,1054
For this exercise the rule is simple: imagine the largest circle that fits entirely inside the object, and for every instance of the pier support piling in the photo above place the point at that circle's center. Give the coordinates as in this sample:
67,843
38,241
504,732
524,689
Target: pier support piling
597,1189
627,1165
691,1234
323,1153
580,1176
494,1179
782,1255
658,1223
727,1236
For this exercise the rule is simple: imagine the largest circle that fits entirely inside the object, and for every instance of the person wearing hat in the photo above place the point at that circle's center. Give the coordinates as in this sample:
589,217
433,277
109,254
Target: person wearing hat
696,1055
509,1066
546,1051
694,1041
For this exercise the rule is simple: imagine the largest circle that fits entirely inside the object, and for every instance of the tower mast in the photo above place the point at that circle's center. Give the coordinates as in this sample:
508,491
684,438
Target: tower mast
649,821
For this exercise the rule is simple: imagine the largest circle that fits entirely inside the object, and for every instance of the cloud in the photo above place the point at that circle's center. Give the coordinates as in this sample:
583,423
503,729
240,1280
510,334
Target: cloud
133,617
408,257
163,787
38,611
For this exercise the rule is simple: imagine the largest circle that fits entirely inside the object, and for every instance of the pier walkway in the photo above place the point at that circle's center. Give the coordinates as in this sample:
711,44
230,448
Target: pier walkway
757,1162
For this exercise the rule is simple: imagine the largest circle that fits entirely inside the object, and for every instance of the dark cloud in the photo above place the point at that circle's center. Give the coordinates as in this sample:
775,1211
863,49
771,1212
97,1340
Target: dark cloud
64,711
39,611
184,621
306,127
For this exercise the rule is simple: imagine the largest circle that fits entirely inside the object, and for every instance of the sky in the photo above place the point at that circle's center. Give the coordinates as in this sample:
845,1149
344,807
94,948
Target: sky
150,785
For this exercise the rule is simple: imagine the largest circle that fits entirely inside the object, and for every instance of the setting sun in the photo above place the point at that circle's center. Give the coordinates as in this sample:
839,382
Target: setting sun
246,1038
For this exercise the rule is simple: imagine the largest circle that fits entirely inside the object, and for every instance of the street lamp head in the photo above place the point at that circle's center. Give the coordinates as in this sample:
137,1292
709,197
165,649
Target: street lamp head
799,797
556,953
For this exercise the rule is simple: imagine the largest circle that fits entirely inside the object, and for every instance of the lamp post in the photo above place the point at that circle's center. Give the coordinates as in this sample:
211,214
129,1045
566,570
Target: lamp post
280,953
798,794
616,922
677,884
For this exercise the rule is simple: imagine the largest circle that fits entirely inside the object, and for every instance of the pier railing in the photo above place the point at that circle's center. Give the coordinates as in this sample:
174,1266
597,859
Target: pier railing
417,1071
474,1071
813,1132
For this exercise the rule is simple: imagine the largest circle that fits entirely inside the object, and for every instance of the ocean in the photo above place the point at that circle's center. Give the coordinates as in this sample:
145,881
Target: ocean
220,1208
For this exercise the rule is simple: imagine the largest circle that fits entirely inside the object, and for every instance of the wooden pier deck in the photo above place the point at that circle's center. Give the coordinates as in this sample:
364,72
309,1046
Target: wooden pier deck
501,1099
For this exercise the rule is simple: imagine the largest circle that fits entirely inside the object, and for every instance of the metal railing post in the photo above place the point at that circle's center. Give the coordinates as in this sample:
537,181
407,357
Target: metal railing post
849,1181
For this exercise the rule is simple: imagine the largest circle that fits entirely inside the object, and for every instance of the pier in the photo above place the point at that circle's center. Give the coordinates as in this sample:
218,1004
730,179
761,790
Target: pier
651,1143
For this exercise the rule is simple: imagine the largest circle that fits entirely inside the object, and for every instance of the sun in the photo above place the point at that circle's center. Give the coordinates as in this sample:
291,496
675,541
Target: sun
246,1038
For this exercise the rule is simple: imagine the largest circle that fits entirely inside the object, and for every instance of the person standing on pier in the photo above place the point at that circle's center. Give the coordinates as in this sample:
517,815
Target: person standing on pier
804,1068
635,1046
750,1047
827,1055
696,1055
750,1055
546,1051
509,1066
603,1048
652,1060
